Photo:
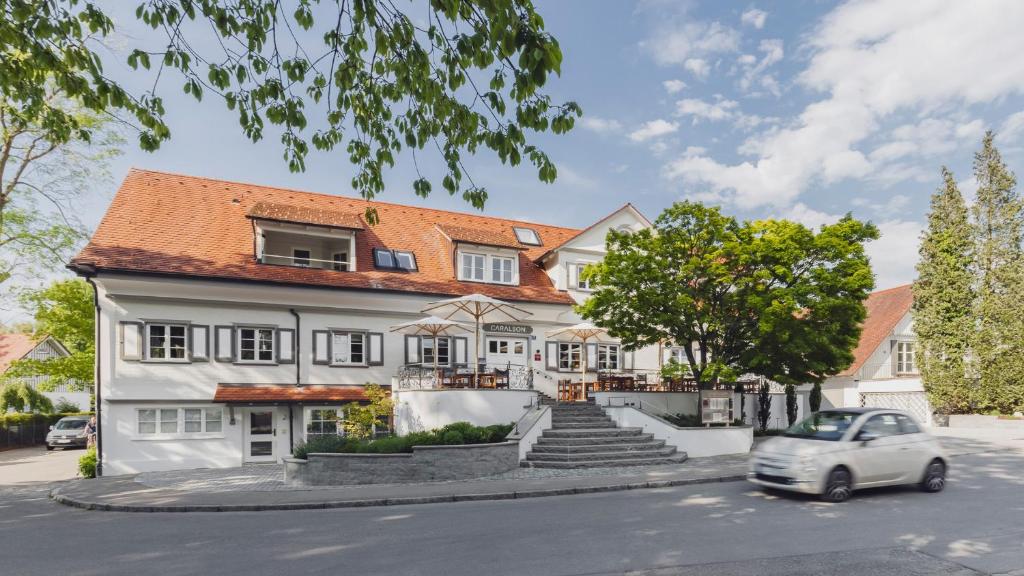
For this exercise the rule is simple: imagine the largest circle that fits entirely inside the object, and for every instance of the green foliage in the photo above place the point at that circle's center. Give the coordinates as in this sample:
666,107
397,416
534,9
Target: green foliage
457,433
87,463
769,297
791,404
20,397
453,78
944,295
764,405
63,310
814,400
362,419
65,406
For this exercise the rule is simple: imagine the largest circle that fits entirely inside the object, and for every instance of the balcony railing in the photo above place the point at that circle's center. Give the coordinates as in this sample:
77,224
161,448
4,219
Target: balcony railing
504,377
277,259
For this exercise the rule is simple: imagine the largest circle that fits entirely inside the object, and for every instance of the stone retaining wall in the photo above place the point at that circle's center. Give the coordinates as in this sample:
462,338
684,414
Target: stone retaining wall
425,464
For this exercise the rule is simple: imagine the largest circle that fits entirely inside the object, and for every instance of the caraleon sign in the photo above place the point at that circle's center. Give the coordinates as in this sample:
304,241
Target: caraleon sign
513,329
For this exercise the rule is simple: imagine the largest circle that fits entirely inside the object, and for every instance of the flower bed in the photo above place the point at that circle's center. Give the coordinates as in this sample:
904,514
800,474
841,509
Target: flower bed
457,433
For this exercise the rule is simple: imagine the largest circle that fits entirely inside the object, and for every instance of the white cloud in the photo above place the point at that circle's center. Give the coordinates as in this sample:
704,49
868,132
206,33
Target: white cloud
872,59
700,109
601,125
567,175
754,17
675,42
754,71
674,86
808,216
653,129
698,66
894,253
1012,128
894,204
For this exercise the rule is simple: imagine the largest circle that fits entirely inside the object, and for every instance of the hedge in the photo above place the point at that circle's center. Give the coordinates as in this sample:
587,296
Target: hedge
452,434
21,429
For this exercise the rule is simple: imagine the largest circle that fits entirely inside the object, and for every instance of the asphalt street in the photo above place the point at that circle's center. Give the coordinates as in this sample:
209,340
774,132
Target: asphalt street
974,527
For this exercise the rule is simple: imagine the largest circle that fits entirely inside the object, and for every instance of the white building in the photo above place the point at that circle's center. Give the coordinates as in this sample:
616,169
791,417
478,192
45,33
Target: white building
15,347
884,372
233,318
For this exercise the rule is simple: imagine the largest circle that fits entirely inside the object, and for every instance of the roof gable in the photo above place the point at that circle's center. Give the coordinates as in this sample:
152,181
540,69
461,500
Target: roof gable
592,238
15,347
885,309
171,224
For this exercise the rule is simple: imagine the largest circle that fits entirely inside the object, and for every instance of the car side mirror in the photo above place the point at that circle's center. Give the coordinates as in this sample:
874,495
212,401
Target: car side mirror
866,437
51,427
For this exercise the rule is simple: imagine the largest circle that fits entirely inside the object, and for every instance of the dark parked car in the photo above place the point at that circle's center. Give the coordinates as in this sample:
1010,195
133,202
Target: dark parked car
68,432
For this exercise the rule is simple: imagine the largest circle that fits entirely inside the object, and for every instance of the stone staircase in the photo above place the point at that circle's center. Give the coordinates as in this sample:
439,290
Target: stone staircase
583,436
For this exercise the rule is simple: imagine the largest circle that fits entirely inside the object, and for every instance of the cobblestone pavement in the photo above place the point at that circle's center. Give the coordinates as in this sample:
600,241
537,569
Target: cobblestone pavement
270,477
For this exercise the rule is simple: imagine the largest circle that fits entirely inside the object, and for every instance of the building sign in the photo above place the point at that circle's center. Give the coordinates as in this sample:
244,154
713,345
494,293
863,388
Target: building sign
516,329
716,407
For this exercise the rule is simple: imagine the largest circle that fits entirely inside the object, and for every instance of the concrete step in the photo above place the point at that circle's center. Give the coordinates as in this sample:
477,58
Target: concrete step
588,425
599,456
676,458
648,446
579,418
592,440
591,432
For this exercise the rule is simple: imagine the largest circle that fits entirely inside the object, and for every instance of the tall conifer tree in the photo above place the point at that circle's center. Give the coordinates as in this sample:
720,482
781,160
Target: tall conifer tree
943,301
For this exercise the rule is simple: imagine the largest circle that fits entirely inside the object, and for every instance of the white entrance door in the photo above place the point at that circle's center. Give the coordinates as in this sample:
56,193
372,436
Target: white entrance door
502,351
260,435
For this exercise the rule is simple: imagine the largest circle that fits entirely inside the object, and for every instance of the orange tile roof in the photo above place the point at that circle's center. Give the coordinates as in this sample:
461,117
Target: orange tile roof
497,237
14,347
885,309
172,224
306,215
287,393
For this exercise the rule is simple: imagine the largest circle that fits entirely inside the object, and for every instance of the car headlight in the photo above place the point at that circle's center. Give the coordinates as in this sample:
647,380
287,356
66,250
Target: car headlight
807,464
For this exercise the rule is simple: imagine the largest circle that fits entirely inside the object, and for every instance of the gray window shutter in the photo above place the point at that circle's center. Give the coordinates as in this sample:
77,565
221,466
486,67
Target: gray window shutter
627,359
376,348
131,340
892,358
461,350
551,353
412,350
321,347
199,343
224,343
285,345
591,356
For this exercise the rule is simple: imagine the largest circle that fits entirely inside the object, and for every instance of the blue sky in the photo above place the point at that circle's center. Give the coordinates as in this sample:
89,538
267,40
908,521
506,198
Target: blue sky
804,110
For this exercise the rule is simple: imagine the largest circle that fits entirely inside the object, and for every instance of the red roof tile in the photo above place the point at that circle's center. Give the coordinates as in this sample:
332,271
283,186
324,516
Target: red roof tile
497,237
14,347
885,309
306,215
184,225
287,393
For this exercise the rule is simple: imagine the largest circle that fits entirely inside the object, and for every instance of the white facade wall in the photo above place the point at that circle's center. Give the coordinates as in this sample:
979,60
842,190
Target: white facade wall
419,410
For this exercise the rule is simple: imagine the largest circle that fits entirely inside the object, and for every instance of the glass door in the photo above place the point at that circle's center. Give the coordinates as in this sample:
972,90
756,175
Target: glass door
260,435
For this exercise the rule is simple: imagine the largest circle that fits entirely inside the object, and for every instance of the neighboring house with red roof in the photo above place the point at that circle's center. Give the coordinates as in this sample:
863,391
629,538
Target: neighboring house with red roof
884,372
237,320
24,346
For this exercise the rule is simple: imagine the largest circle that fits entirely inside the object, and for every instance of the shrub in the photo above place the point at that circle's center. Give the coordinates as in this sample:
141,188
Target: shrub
20,397
764,405
65,406
815,398
87,463
791,406
453,434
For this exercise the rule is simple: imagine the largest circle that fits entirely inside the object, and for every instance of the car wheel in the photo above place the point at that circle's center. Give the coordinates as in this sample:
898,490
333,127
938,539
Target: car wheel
48,447
934,476
839,486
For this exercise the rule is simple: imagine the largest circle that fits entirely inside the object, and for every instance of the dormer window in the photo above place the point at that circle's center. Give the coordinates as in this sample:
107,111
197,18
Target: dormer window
502,269
527,236
385,259
473,266
305,246
300,257
340,260
493,267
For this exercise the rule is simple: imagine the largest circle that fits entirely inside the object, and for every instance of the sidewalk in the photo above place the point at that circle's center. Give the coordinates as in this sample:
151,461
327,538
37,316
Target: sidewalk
125,494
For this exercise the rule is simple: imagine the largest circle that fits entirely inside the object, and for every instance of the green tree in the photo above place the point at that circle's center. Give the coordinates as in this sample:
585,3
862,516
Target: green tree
944,294
814,399
771,298
791,404
20,397
63,310
362,419
764,405
456,77
999,308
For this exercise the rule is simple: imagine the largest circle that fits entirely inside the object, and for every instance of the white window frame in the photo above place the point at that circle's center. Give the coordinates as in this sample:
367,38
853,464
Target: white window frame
576,268
520,231
494,260
464,268
605,357
166,347
423,350
573,349
309,259
161,416
364,339
204,420
256,340
906,357
308,419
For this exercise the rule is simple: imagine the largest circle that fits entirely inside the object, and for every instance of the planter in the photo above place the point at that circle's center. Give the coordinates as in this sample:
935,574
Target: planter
425,464
983,421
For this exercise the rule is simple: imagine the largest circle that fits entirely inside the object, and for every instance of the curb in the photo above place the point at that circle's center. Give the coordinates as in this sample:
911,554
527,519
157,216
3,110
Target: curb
56,496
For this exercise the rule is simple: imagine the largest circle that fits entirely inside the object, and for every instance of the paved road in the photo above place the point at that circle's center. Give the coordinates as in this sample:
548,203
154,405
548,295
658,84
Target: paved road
718,529
36,464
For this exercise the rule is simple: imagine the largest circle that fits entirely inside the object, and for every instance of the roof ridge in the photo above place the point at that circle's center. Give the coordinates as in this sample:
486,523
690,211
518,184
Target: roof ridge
890,289
356,198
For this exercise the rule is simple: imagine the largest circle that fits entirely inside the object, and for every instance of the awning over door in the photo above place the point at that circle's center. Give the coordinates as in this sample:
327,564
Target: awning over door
264,393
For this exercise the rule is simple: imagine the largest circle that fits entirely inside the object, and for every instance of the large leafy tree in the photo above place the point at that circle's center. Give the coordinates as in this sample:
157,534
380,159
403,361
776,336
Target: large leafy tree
998,227
943,300
63,310
770,297
376,76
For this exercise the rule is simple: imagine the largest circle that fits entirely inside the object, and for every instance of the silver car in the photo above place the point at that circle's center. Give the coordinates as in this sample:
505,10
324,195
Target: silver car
834,452
68,432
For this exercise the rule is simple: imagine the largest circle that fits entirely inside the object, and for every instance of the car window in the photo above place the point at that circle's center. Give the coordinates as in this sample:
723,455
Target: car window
907,425
826,425
881,425
70,425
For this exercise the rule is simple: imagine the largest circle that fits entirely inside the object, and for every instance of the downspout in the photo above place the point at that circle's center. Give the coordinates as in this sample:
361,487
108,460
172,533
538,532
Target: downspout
298,374
96,377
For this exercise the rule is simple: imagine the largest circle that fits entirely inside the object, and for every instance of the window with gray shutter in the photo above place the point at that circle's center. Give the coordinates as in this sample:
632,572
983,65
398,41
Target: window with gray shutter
591,356
551,356
461,351
285,345
224,343
376,349
199,343
321,347
412,350
131,340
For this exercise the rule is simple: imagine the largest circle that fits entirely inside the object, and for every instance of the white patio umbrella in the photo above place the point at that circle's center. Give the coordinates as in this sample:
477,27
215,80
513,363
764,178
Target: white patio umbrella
479,308
581,332
432,326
